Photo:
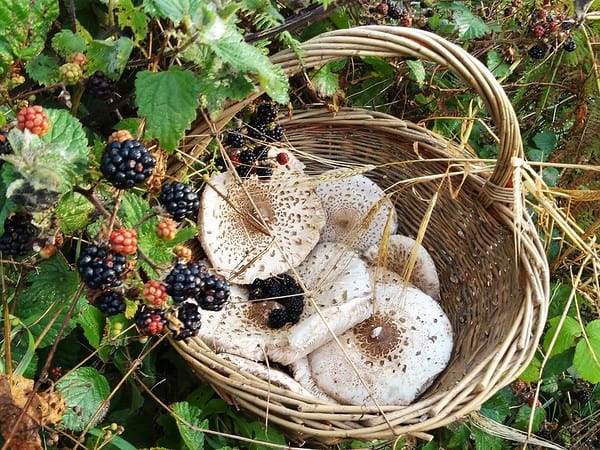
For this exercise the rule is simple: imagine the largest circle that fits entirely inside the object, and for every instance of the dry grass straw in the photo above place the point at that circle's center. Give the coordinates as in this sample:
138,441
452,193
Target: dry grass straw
492,265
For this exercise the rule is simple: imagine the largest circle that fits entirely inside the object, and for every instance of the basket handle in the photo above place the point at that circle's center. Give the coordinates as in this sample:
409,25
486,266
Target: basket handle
391,41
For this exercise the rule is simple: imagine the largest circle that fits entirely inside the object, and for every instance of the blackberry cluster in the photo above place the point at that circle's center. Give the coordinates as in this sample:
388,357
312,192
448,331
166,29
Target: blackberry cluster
215,293
110,303
283,289
5,147
395,11
101,268
257,129
186,280
537,52
235,139
19,235
189,317
127,163
150,321
100,86
570,46
179,200
582,395
246,159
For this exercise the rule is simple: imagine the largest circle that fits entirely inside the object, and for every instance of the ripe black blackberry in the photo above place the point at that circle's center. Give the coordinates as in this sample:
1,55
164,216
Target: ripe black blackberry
189,317
100,86
264,172
150,321
5,147
235,139
278,318
215,293
583,395
570,46
261,152
274,132
19,235
247,159
294,306
567,25
101,268
537,52
283,289
266,112
179,200
257,130
111,303
395,11
127,163
186,280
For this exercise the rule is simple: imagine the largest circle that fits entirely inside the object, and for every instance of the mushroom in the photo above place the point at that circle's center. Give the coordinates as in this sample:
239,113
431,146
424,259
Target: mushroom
357,210
301,371
395,354
394,254
255,228
339,287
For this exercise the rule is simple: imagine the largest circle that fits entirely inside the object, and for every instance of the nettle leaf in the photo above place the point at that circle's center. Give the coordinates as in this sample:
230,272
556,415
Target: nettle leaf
417,71
25,25
110,56
174,10
50,290
84,390
168,100
325,82
567,334
43,69
65,42
133,17
193,439
587,354
469,25
73,212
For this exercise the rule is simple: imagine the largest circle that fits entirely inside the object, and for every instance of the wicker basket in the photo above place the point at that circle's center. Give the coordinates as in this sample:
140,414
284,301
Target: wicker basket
492,267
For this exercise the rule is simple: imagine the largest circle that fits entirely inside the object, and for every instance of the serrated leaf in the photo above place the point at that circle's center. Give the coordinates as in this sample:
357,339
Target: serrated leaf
68,138
43,69
73,212
559,363
25,25
109,56
495,63
523,418
459,438
532,371
84,390
168,100
49,293
91,321
587,354
216,91
325,82
567,334
417,71
65,42
484,441
381,65
496,408
133,209
469,25
193,439
174,10
133,17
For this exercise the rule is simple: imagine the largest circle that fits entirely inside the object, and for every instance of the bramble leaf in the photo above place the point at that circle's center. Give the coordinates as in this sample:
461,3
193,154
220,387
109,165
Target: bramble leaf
469,25
168,100
132,17
174,10
92,321
109,56
217,90
73,212
587,354
417,71
325,82
193,439
43,69
524,416
567,335
66,42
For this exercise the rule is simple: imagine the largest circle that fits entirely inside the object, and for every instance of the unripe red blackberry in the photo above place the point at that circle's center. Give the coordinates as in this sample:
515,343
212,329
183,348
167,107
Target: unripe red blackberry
150,321
167,229
34,119
125,164
119,136
123,241
78,58
155,293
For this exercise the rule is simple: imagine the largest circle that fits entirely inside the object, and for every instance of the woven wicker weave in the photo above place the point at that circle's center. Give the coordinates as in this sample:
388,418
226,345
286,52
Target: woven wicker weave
492,267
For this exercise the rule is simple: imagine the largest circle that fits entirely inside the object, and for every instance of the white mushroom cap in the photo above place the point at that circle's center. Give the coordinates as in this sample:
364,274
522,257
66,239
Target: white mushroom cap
399,249
397,352
357,211
293,162
301,371
258,228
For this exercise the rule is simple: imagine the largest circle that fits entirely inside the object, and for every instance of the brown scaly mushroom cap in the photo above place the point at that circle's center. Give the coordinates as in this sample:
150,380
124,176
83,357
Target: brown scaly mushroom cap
399,248
257,228
357,211
398,352
344,298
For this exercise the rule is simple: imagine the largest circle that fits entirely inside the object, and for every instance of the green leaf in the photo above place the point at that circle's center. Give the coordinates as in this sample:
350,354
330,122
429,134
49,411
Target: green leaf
325,82
85,389
551,176
73,212
92,321
496,408
43,69
110,56
65,42
115,441
495,62
168,100
193,439
559,363
587,355
524,416
217,90
459,438
49,293
133,17
469,25
417,71
546,141
133,209
381,65
484,441
532,371
174,10
68,138
25,25
567,334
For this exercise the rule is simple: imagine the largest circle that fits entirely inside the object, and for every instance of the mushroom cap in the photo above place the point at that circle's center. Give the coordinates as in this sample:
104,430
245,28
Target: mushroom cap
398,351
357,211
399,248
301,371
293,163
258,228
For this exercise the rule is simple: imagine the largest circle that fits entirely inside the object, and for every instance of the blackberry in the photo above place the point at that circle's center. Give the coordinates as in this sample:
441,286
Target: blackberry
261,152
215,293
126,164
283,289
186,280
274,132
567,25
582,396
278,318
294,306
101,268
537,52
395,11
266,112
255,290
179,200
150,321
246,158
264,172
570,45
235,139
189,316
111,303
100,86
5,147
257,130
19,235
